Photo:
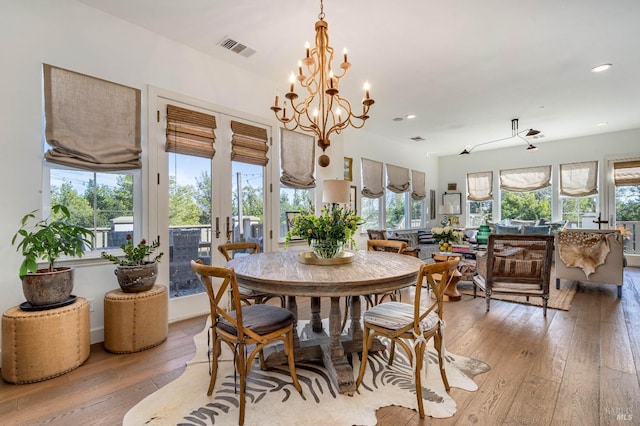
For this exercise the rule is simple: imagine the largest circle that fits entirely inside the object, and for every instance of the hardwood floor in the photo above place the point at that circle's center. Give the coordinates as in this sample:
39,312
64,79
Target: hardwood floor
575,368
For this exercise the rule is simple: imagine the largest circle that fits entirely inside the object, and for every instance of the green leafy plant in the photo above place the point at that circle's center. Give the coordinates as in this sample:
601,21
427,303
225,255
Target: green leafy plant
135,255
48,239
335,223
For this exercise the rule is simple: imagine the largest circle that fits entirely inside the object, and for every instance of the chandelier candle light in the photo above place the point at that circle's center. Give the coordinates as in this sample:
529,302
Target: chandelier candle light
323,111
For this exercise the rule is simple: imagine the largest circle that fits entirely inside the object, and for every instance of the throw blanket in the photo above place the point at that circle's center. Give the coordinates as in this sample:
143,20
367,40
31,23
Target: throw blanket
586,250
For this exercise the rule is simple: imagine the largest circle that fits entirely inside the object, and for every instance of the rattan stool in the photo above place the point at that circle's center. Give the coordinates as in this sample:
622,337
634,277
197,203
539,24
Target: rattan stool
41,345
135,321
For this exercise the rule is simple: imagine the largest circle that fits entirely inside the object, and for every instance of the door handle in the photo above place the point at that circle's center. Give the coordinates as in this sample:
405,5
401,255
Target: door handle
217,227
229,232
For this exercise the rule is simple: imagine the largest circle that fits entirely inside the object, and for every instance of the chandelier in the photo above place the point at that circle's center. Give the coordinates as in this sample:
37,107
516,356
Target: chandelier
515,133
323,111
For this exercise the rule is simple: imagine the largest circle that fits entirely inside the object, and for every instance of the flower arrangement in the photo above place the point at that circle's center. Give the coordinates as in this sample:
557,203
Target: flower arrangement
444,236
335,223
626,234
135,255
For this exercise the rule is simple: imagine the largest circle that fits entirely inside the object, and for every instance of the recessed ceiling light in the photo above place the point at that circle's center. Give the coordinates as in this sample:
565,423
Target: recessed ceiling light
602,123
410,116
601,67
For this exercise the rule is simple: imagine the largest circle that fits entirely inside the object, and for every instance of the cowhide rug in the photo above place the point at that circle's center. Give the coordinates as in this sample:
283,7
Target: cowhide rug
272,399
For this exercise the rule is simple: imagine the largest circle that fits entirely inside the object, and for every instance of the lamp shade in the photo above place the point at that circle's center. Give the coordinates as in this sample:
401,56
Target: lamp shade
336,191
447,209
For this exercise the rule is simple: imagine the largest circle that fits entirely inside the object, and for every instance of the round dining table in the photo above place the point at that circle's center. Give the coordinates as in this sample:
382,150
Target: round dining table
283,272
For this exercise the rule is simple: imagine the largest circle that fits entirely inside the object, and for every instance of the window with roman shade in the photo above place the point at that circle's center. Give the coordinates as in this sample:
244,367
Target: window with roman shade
249,144
372,184
91,124
297,153
525,179
418,185
579,179
397,179
626,173
480,186
190,132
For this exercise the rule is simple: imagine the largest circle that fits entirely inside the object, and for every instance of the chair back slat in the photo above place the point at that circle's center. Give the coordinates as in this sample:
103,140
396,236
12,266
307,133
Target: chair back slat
205,273
446,271
395,246
228,250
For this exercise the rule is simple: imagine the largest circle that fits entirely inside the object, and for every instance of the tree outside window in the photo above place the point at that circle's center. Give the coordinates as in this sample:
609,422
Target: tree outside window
531,205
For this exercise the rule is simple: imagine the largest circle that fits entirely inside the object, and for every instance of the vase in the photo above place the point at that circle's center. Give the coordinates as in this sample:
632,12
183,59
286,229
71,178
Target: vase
138,278
326,249
483,234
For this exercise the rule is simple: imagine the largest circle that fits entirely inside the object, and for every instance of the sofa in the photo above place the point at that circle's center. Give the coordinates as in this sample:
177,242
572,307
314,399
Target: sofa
590,256
421,239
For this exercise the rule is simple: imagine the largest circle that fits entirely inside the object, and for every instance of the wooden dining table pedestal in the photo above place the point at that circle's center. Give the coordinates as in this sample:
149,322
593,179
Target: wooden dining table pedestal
369,273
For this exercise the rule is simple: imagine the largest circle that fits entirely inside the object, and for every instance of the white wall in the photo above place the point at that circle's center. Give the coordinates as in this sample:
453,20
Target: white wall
602,147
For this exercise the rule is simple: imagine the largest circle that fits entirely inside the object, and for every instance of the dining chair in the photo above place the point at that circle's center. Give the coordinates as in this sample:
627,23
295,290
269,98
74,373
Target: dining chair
516,265
248,296
400,322
393,246
245,328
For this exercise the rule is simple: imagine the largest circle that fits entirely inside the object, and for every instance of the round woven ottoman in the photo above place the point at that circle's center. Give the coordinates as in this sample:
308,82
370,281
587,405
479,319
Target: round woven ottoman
41,345
135,321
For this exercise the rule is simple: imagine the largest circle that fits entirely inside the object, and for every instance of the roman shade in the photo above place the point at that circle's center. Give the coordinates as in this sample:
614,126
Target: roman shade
480,186
418,185
91,124
525,179
397,179
249,144
372,186
190,132
297,153
626,173
579,179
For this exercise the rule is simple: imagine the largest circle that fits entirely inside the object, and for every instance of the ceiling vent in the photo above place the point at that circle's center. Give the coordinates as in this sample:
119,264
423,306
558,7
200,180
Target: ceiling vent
417,139
235,47
398,119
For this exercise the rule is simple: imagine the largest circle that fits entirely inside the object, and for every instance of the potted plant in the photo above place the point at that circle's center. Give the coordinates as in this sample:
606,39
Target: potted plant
47,240
135,271
327,233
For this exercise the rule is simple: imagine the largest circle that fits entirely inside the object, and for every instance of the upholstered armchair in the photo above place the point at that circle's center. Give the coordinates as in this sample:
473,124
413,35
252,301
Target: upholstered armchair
517,265
590,256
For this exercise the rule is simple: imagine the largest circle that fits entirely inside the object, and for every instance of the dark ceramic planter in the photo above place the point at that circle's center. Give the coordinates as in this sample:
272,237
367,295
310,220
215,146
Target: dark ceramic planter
45,288
134,279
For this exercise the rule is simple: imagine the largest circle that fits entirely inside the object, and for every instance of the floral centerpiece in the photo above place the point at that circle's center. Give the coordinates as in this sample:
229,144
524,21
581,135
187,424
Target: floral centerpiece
326,233
445,236
136,271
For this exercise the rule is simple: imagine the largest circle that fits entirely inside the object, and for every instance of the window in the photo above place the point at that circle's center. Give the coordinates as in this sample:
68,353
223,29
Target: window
370,213
395,205
102,202
626,176
416,208
480,211
92,151
297,183
525,194
578,193
480,197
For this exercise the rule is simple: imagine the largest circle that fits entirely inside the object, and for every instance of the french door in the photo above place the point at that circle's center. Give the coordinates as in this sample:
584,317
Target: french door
196,202
624,205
